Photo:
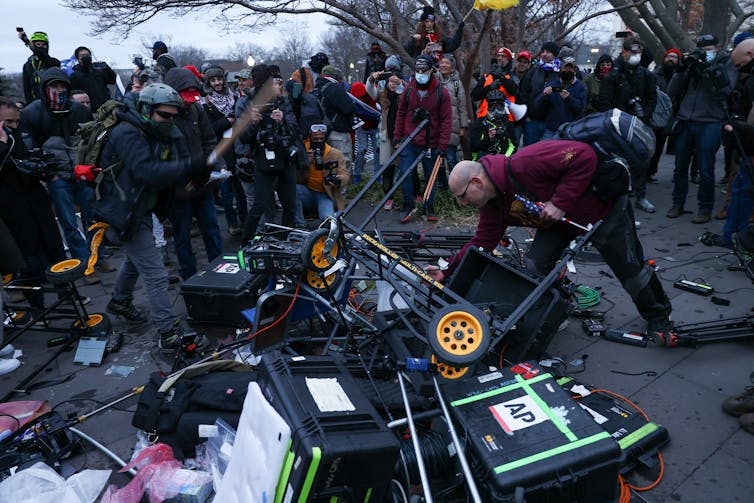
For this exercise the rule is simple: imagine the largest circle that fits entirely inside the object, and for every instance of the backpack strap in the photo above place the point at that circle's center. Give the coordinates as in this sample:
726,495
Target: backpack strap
516,183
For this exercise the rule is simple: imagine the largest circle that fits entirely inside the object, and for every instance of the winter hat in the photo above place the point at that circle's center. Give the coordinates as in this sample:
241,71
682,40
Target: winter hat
333,71
260,74
567,55
214,71
524,54
551,47
427,13
741,37
160,45
672,50
243,74
318,61
393,63
504,51
708,39
423,62
79,49
358,89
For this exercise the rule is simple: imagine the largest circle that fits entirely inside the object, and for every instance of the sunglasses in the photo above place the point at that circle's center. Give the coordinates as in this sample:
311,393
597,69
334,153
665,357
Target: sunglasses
165,115
318,128
462,196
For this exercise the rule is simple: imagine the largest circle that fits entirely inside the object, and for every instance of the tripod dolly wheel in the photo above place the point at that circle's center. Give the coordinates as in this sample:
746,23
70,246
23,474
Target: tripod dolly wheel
96,323
459,334
313,251
449,372
66,271
316,281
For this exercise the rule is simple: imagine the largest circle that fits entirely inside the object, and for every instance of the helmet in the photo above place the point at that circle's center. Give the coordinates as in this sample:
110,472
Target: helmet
158,94
495,96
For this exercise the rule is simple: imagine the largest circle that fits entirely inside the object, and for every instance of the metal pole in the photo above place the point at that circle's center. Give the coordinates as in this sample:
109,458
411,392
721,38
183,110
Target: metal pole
415,442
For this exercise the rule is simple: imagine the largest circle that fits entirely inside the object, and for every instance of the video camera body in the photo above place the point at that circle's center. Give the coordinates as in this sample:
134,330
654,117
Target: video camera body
319,163
696,64
275,137
36,164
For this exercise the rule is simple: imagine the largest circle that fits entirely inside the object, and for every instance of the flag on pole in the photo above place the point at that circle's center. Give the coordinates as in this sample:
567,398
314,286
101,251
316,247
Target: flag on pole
494,4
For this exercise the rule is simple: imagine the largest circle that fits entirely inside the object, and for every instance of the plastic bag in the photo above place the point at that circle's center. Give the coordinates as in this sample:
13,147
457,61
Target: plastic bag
154,462
41,484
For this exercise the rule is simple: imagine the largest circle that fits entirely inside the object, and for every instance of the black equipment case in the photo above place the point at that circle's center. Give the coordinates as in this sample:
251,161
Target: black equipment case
219,292
638,438
340,446
487,281
525,434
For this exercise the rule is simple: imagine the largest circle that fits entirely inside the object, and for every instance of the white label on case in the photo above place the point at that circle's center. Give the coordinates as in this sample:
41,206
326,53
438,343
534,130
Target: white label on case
518,413
329,395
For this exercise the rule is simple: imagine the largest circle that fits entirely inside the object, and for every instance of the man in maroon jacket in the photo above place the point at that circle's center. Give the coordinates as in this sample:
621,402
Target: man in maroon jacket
558,173
425,97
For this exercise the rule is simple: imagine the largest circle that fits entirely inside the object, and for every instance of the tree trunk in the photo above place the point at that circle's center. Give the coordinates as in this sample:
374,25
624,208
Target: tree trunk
716,16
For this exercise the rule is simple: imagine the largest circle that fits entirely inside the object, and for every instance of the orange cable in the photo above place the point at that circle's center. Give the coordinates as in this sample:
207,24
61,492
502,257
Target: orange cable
285,314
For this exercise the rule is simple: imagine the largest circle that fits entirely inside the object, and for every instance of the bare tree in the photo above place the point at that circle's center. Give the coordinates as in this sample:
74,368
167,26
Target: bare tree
346,47
296,46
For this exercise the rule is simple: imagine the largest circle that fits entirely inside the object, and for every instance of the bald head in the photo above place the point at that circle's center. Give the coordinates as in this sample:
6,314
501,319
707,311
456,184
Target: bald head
469,183
743,53
463,171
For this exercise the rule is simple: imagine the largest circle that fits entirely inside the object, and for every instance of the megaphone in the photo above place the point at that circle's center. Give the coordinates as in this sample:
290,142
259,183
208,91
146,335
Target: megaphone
518,111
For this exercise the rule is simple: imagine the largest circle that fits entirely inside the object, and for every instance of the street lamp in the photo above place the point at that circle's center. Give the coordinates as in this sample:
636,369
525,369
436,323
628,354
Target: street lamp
594,50
350,74
250,61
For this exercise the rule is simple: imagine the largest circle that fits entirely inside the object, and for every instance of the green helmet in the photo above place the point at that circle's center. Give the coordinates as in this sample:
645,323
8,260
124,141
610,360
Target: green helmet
158,94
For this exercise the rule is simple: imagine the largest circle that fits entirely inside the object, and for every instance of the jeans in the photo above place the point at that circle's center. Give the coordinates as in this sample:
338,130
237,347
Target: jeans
265,184
203,209
230,190
741,204
408,156
308,199
363,138
533,132
141,257
64,195
700,140
619,245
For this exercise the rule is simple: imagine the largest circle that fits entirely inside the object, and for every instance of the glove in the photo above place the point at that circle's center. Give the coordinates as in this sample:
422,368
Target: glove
442,153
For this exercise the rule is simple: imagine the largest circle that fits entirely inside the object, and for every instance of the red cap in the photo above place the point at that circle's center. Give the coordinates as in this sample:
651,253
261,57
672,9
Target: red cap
193,70
504,51
190,95
672,50
524,54
358,89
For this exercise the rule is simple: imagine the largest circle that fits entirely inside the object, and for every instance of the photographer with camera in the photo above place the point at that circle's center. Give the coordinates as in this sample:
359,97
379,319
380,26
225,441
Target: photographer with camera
273,138
633,89
562,100
320,186
25,206
92,77
493,133
499,79
532,85
701,85
424,98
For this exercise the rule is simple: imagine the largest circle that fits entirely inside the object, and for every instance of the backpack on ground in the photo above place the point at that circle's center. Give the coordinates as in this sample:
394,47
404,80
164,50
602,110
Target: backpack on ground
623,143
93,136
663,110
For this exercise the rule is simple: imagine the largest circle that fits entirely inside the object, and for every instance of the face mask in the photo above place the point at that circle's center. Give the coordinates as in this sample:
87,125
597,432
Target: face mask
400,88
422,78
497,114
40,52
318,145
567,76
86,61
634,60
710,55
58,99
164,128
604,71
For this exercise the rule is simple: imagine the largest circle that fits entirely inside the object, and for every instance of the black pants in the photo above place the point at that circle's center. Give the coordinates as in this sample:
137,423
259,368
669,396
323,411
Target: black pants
619,245
265,183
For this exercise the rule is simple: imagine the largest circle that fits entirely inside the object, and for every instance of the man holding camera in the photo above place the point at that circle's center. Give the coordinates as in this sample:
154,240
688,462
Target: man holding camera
563,98
320,186
499,79
424,98
701,85
493,133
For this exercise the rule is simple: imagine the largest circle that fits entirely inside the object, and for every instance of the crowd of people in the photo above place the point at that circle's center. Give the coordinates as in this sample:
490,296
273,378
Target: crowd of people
306,137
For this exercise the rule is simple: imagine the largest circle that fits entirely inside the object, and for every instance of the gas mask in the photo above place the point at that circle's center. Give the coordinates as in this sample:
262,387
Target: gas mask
634,60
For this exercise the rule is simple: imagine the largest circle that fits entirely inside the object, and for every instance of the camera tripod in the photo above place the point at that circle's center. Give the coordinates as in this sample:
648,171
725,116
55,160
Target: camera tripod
705,332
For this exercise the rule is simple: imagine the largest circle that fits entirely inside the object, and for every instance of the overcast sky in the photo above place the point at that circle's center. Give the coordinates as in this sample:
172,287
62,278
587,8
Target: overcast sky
67,30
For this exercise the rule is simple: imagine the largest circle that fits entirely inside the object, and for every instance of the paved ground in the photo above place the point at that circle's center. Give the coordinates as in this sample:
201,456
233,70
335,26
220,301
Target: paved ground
709,458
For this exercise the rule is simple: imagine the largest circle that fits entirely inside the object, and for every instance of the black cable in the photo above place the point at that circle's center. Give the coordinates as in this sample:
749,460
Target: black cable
99,403
18,423
434,451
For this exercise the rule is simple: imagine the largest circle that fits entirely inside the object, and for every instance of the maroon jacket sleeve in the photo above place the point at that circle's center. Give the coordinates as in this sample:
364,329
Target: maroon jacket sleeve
446,120
400,116
490,230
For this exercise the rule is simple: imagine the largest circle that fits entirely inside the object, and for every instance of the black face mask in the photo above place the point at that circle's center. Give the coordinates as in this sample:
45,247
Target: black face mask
86,61
40,52
567,76
748,67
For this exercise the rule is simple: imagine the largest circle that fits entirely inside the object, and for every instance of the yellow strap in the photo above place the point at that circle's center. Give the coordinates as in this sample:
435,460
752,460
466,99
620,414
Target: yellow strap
94,245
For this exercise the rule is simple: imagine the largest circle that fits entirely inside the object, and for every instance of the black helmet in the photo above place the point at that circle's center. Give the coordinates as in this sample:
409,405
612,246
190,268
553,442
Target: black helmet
496,96
319,61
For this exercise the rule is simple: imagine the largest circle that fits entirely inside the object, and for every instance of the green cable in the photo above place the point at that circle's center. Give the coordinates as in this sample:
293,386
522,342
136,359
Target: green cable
587,297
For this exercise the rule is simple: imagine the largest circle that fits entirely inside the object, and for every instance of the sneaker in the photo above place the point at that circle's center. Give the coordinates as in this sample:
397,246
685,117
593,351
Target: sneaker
7,351
406,216
389,205
652,179
8,365
127,310
429,211
234,231
170,341
103,265
674,212
92,279
701,218
695,179
644,205
747,422
742,403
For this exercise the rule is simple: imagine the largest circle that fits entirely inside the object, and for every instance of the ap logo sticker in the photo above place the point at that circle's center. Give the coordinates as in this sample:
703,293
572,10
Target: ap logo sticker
518,413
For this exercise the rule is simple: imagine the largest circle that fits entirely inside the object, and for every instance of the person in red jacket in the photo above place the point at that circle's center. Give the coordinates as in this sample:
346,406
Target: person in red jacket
366,134
558,174
424,97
